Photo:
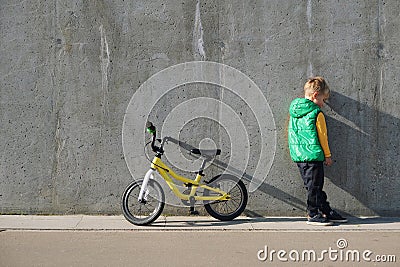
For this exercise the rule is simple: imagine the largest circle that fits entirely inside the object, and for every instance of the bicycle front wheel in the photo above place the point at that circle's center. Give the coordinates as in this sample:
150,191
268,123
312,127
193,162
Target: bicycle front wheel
145,211
226,210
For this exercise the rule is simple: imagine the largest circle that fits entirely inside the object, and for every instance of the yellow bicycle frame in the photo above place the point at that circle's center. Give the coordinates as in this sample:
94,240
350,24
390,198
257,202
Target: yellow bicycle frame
167,173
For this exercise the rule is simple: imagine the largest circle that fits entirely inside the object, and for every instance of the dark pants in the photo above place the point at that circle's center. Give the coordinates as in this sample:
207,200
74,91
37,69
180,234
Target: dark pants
313,177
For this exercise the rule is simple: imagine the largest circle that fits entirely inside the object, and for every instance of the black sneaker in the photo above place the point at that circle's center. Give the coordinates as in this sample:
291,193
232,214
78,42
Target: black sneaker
333,216
319,220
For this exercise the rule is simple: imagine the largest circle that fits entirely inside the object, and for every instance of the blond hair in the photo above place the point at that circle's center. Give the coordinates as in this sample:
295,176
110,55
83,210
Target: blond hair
316,84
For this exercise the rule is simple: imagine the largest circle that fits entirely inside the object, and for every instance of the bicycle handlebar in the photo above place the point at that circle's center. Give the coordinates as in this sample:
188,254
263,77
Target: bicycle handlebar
150,128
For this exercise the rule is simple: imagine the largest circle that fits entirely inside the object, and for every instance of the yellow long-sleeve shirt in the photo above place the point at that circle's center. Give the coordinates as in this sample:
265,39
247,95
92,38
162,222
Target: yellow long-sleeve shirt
323,134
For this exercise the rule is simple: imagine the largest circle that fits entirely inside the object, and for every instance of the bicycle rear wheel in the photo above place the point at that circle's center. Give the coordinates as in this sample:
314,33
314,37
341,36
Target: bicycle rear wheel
226,210
146,211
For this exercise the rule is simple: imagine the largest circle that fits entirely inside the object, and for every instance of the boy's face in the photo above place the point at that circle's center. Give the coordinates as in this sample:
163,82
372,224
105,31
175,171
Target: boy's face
319,99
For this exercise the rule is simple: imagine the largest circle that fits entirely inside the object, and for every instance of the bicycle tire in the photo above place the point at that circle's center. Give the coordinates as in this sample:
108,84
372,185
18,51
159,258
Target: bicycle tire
143,213
227,210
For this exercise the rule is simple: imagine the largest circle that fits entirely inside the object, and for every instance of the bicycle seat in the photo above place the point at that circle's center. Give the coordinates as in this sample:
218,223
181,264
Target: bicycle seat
206,152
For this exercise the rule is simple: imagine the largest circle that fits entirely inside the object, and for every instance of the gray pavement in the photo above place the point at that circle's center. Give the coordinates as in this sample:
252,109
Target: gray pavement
81,240
203,223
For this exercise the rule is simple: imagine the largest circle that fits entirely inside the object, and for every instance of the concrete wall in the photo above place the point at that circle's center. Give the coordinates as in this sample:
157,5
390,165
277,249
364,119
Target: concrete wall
69,69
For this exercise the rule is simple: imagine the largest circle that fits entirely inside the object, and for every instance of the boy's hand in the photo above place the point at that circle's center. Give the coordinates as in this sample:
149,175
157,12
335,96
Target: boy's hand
328,161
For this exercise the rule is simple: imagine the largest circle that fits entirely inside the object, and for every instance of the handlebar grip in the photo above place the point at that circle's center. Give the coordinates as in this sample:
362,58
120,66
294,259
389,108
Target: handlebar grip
150,127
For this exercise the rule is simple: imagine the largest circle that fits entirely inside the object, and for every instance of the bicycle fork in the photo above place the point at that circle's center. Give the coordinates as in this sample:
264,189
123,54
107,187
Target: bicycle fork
143,190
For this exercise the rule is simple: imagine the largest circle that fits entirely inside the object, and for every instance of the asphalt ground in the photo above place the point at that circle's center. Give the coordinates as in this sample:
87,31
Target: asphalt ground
82,240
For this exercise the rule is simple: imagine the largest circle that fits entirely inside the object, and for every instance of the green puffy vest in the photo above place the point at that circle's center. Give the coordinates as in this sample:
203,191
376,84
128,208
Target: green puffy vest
303,140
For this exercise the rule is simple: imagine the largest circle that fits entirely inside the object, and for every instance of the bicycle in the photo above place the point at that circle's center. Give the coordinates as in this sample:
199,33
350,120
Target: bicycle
224,197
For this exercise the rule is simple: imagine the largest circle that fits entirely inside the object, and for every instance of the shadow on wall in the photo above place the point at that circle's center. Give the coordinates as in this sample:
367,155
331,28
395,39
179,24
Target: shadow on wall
365,179
365,146
264,187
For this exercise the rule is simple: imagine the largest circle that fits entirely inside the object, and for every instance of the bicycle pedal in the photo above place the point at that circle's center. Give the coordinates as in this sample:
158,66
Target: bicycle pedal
194,212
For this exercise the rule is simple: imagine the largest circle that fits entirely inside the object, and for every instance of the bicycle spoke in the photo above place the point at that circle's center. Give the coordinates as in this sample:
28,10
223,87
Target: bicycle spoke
232,207
143,212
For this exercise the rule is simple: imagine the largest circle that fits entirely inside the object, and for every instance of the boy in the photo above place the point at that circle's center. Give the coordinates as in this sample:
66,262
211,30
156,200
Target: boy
308,144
